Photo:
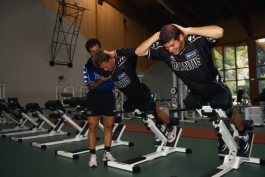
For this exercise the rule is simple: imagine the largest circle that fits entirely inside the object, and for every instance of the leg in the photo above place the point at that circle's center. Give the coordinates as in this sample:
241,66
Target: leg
237,120
108,122
162,115
231,113
93,127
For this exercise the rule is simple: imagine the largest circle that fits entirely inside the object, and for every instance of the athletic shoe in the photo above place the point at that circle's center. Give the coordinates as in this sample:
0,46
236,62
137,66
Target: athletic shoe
243,143
162,129
171,136
93,161
108,157
221,145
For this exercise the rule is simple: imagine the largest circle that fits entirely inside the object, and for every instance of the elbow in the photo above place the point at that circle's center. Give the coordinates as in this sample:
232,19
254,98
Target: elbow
220,32
137,52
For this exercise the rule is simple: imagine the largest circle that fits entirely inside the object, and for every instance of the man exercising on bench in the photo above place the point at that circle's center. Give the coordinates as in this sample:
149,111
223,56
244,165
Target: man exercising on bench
124,77
187,52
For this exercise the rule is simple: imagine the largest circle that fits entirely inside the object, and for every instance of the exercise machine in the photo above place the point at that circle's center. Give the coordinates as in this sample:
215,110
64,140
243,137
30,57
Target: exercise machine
119,101
64,93
178,93
37,125
3,90
233,159
165,148
19,123
54,130
117,132
5,114
81,129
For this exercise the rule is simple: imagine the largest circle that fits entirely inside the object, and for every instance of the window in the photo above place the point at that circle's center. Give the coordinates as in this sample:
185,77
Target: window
260,62
232,63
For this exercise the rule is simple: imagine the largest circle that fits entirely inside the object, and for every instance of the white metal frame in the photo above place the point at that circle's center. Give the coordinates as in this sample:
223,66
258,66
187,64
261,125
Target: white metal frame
64,89
3,90
82,135
117,131
19,125
38,127
55,129
164,149
233,159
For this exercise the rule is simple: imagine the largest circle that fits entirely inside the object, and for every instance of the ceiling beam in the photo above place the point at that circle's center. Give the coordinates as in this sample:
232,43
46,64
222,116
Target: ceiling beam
240,14
183,13
135,13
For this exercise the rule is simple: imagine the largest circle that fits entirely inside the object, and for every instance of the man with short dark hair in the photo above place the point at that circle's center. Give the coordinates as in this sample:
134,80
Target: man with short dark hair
125,78
187,52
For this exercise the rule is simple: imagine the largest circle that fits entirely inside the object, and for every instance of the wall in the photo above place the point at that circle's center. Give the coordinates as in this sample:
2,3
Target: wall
26,35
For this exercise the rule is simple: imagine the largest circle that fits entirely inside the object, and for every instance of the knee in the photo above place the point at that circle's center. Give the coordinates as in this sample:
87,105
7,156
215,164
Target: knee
93,128
108,128
225,103
192,102
128,106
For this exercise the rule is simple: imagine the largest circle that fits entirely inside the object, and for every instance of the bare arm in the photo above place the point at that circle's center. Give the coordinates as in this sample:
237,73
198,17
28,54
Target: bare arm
110,53
213,32
97,83
142,49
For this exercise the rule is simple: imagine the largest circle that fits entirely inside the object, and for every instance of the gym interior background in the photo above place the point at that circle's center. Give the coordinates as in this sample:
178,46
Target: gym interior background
27,29
27,32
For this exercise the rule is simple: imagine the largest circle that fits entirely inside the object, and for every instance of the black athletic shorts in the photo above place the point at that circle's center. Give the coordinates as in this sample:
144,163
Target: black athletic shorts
147,104
100,102
217,94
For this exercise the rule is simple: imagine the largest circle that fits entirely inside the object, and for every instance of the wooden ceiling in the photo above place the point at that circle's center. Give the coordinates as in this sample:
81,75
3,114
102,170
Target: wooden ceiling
153,14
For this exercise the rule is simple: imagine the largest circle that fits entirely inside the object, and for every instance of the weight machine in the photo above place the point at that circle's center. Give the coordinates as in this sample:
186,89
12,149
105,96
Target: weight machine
54,130
59,110
232,159
163,149
3,90
64,93
178,93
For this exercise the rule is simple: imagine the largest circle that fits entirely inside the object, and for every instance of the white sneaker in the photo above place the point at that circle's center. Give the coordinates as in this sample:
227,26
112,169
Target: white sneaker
162,129
171,136
93,161
108,157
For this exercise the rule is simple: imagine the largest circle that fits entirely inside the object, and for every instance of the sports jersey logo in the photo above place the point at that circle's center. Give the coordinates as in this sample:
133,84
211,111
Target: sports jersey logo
187,65
120,77
156,45
121,60
191,54
123,82
193,38
172,58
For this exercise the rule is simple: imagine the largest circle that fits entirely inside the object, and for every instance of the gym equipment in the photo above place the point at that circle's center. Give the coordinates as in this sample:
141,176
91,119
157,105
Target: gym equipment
233,159
3,90
57,106
178,93
55,129
20,124
37,125
64,93
255,113
163,149
119,100
83,91
117,131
